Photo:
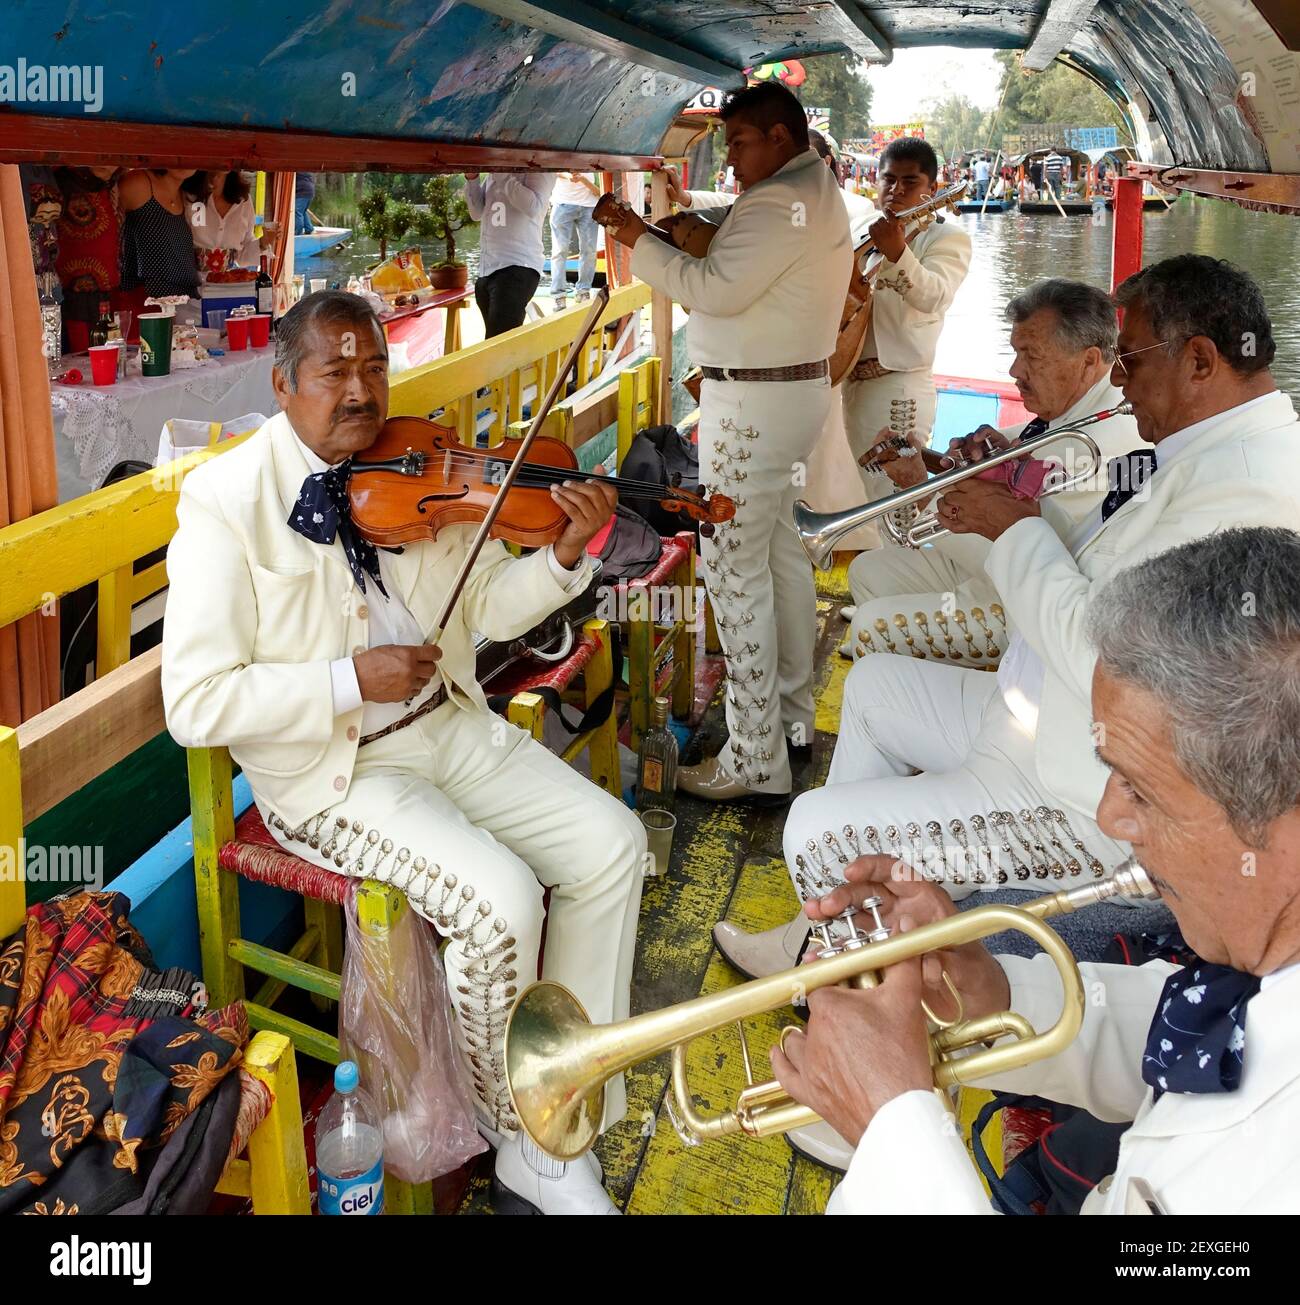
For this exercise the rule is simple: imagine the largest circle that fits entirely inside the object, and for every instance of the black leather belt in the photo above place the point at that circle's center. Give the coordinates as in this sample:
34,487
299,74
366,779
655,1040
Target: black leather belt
439,697
796,372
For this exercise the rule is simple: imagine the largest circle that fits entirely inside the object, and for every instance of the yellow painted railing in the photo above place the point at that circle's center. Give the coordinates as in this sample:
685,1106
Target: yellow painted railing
97,538
509,368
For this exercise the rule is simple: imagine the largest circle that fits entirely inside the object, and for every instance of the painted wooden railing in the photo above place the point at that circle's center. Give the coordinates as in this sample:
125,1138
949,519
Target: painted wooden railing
484,387
97,539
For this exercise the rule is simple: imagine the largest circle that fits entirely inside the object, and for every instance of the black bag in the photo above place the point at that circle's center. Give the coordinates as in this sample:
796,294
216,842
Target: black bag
552,641
663,456
631,548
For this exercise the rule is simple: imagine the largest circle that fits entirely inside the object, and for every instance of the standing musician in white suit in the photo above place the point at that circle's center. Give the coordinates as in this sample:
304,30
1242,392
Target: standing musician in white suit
1196,699
937,601
1010,784
302,647
765,302
892,383
832,482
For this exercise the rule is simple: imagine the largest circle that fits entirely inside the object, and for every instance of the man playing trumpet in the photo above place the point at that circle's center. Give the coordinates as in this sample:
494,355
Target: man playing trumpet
1009,783
937,602
1196,700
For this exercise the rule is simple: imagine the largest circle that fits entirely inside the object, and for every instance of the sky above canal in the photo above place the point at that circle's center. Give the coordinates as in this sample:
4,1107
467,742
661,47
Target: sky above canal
901,89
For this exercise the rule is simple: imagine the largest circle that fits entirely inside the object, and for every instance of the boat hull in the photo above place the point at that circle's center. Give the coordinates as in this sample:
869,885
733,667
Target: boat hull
319,240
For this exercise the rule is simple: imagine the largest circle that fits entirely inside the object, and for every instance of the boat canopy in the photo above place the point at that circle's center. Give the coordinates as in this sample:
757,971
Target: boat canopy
428,84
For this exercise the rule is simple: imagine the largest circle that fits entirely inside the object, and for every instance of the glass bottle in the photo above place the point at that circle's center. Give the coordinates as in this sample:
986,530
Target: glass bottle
656,781
99,332
51,326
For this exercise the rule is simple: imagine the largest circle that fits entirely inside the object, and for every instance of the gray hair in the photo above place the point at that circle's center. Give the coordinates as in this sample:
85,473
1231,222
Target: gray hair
1085,316
324,308
1211,629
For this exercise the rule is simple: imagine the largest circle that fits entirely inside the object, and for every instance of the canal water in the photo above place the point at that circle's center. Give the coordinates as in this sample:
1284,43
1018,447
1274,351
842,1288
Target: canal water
1013,250
1010,251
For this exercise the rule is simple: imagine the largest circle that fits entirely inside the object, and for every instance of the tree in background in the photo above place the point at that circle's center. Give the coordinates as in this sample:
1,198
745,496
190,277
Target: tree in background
384,220
1060,94
835,82
955,124
447,213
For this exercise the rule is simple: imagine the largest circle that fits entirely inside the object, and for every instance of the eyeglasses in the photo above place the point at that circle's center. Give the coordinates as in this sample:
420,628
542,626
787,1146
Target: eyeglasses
1119,357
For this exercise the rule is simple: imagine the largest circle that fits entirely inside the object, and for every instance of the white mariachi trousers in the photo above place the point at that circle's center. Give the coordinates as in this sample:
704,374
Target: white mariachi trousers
978,817
755,441
471,818
934,602
905,402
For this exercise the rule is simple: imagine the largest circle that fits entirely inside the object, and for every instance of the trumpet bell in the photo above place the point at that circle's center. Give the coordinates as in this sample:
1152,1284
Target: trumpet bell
548,1065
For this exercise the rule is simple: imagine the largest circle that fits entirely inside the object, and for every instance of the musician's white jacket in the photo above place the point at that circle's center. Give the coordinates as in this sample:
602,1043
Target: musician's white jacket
1241,467
759,296
912,296
256,613
1206,1153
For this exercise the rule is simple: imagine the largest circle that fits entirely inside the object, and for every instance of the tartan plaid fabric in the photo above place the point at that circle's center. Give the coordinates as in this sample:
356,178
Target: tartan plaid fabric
101,1056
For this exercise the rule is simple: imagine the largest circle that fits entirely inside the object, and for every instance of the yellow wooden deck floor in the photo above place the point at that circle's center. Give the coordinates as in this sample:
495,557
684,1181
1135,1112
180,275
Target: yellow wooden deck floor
726,864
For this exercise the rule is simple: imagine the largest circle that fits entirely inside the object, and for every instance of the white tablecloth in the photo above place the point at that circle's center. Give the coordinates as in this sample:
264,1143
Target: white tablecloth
96,427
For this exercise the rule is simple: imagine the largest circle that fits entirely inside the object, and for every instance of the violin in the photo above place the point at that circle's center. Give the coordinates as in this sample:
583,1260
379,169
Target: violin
418,478
685,231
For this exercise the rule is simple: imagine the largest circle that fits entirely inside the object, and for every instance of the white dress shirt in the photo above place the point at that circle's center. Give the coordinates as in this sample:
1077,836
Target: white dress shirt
768,292
390,622
234,231
509,206
1021,670
574,192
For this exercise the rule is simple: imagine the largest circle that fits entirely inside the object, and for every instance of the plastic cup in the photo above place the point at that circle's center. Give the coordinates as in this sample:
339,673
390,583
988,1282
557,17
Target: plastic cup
155,344
260,331
103,364
237,333
659,828
317,284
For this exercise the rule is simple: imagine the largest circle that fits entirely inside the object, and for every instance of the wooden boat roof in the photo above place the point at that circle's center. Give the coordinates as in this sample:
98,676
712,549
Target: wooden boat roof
433,84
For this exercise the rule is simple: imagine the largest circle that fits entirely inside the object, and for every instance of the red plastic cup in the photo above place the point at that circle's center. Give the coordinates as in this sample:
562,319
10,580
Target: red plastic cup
260,333
103,364
237,333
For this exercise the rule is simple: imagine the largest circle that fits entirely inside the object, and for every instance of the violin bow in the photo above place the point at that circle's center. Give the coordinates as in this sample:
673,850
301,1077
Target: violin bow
599,303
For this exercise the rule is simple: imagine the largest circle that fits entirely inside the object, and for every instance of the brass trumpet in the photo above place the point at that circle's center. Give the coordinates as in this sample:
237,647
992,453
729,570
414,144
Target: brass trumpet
557,1062
820,531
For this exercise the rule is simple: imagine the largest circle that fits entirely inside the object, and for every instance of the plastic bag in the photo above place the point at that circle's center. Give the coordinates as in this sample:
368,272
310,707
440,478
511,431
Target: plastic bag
181,436
395,1023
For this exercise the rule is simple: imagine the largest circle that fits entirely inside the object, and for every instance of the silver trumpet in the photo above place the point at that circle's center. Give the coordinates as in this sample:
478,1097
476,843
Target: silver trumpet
820,531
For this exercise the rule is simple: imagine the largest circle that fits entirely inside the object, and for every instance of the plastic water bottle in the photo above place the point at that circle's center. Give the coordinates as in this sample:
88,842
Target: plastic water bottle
349,1149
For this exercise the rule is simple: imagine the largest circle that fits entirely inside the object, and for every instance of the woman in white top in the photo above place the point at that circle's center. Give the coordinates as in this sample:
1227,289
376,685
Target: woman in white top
221,217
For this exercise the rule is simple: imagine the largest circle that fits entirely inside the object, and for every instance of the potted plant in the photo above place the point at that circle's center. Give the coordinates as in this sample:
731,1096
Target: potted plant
384,219
447,214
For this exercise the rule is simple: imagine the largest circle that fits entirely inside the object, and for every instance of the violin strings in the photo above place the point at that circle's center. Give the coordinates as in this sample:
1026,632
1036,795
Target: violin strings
544,474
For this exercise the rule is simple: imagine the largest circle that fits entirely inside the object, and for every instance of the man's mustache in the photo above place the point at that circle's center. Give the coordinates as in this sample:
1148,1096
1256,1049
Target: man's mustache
346,414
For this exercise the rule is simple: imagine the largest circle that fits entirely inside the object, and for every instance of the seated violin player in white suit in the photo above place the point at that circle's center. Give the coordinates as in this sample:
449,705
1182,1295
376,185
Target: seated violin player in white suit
1196,699
1008,787
292,640
937,601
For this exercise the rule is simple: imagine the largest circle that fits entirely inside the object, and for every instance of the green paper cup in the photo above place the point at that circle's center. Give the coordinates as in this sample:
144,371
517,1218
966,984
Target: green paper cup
156,343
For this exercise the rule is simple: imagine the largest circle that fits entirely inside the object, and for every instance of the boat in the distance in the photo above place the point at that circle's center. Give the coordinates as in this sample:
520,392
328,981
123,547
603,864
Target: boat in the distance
319,240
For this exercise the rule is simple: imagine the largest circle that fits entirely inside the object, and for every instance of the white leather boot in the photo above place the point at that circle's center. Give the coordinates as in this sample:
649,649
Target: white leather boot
527,1181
